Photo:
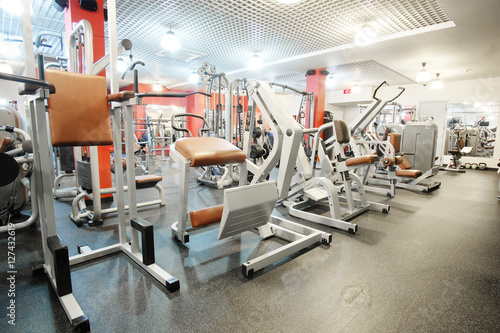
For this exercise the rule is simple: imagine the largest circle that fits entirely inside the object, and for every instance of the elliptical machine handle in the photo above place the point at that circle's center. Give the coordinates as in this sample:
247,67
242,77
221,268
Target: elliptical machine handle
203,129
402,91
376,89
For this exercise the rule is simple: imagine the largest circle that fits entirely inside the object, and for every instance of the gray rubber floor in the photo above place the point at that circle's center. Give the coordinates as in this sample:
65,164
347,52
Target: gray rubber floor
431,265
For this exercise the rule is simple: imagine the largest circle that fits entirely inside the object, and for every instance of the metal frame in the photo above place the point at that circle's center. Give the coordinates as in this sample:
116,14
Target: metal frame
47,215
287,142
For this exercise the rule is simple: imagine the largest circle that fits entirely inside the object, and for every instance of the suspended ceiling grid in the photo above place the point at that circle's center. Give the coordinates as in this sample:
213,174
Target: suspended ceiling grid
230,31
44,19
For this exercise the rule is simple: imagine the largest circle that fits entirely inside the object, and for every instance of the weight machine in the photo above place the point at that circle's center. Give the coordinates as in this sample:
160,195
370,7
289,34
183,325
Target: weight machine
17,182
89,115
312,188
219,121
395,170
248,206
80,59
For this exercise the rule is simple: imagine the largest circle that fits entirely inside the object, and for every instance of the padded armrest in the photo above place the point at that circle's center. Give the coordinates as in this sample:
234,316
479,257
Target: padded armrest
148,178
361,160
30,88
121,96
207,151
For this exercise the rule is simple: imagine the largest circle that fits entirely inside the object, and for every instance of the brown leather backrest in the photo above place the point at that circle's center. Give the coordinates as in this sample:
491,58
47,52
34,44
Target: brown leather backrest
341,131
78,111
395,141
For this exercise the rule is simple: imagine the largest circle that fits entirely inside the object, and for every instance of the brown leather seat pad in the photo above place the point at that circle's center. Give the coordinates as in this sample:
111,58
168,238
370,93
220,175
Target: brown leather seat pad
361,160
78,111
4,143
207,151
206,216
409,173
148,178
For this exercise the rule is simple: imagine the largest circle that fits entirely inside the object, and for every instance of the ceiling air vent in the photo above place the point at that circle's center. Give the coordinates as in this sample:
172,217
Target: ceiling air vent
185,55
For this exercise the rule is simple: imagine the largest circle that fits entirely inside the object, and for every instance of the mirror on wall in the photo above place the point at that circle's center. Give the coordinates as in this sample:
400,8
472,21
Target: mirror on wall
474,126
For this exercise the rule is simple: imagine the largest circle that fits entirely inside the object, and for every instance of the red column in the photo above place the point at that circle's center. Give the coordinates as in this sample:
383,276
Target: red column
196,104
74,14
315,83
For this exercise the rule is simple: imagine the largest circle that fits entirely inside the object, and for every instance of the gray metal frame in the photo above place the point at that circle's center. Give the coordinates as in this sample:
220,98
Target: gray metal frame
242,215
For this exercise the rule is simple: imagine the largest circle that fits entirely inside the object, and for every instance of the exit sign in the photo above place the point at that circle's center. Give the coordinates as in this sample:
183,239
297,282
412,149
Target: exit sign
347,91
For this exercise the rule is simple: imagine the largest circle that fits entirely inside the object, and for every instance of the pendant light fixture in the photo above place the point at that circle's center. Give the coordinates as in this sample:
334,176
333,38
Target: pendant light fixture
255,63
331,82
423,75
5,68
170,42
366,35
13,7
356,89
193,77
157,87
437,83
121,65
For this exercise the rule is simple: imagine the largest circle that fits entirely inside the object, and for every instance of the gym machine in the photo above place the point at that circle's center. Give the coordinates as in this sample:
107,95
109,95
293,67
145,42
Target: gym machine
248,206
301,113
398,153
457,149
89,114
80,59
219,120
318,183
17,183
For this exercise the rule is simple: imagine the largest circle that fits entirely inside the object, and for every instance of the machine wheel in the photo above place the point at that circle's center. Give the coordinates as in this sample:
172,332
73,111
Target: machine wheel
351,231
385,211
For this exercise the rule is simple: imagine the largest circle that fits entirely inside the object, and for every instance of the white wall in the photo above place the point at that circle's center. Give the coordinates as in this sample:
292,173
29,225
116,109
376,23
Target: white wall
471,91
338,111
291,102
8,92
